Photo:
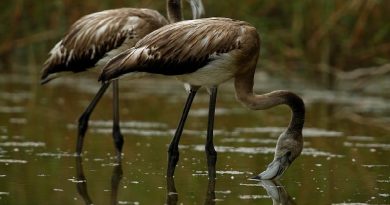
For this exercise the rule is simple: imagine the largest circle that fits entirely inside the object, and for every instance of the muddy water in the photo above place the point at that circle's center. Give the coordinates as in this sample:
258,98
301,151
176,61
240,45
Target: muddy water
345,159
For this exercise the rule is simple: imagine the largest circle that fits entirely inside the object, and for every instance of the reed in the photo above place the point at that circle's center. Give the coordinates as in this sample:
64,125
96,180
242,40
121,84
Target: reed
309,37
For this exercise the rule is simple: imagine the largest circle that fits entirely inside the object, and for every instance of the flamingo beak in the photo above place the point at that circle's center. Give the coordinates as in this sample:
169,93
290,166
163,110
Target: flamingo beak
275,169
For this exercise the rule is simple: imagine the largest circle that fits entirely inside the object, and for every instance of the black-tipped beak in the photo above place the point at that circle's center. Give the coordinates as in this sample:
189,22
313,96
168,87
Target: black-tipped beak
275,169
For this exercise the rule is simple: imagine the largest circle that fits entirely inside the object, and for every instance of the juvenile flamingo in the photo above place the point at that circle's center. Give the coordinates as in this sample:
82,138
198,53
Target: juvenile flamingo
97,37
208,52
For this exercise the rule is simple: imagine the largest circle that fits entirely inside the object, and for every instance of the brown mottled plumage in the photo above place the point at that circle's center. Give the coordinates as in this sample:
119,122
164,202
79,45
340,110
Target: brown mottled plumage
93,36
185,47
207,52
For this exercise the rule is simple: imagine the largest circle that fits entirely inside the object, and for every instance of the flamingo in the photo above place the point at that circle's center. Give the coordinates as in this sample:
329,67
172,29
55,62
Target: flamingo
205,53
94,39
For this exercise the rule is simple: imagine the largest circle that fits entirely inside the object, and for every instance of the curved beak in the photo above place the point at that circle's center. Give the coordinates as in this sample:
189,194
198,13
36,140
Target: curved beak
197,8
275,169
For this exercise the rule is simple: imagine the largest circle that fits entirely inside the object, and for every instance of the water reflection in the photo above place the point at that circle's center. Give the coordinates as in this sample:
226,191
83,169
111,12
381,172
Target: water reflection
81,182
173,196
82,187
277,192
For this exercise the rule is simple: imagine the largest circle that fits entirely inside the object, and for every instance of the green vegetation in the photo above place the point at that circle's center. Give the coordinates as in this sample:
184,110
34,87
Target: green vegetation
309,37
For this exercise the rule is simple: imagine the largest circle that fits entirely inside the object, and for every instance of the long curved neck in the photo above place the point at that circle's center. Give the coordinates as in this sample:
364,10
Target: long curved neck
174,11
244,93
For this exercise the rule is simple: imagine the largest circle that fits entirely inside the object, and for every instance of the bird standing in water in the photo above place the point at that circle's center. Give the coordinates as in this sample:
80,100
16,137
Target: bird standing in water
206,53
97,37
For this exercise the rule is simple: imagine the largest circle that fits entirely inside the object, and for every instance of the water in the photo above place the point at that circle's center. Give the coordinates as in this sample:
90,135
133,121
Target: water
345,159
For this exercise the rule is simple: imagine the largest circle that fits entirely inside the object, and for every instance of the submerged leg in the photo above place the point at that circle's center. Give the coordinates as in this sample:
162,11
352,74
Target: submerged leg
210,195
117,174
84,118
81,184
116,132
172,196
210,151
173,151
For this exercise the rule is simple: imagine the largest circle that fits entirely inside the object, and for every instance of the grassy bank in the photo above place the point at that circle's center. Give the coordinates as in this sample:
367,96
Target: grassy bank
309,37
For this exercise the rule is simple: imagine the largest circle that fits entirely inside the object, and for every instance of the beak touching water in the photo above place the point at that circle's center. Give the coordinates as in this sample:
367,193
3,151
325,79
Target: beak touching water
275,169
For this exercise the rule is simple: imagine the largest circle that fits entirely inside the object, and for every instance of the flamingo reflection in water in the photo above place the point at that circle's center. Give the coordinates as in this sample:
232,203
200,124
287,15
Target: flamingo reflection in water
116,177
173,196
277,192
81,182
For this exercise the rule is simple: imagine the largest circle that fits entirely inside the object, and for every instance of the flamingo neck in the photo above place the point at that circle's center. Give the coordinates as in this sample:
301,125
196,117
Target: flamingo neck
244,93
174,11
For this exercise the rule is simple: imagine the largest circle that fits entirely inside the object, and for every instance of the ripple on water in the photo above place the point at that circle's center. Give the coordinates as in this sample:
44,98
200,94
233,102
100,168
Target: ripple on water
230,172
252,197
20,121
360,138
22,144
139,128
383,181
317,153
74,180
307,132
367,145
251,185
353,203
57,155
265,150
150,132
245,150
223,192
203,112
13,161
259,129
127,131
124,124
374,165
249,140
15,97
12,109
128,202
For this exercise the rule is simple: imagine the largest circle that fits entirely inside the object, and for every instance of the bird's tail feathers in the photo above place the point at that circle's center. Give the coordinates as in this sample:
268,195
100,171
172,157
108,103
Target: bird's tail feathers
47,73
122,63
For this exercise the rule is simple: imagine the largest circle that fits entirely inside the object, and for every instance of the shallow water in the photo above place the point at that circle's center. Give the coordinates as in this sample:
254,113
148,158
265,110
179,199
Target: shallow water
345,159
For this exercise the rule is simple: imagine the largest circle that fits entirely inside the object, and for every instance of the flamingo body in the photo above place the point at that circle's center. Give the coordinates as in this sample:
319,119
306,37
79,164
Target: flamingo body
208,52
97,37
202,52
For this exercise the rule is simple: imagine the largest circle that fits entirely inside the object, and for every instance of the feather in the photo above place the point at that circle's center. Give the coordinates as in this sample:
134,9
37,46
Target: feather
95,35
179,48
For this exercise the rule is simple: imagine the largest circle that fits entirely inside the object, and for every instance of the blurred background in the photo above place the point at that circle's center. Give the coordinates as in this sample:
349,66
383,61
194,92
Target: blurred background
334,54
321,41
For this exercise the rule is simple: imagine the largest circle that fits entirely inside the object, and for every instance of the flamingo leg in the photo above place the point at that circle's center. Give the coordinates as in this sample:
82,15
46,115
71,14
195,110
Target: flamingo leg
117,174
172,195
210,150
84,118
173,151
116,132
81,184
210,195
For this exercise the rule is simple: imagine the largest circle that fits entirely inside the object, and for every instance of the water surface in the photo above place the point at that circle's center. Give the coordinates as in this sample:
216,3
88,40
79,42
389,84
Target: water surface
345,159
